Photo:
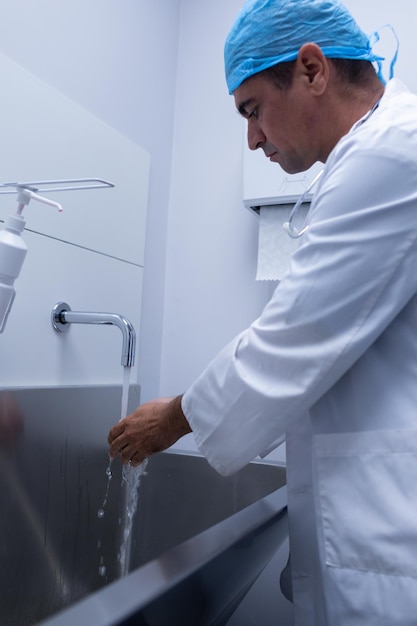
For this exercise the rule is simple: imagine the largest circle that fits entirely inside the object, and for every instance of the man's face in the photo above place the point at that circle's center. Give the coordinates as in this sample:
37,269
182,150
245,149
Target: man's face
279,122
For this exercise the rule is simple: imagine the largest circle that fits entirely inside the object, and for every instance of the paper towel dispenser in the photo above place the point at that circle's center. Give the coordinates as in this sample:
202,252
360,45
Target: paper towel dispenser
265,183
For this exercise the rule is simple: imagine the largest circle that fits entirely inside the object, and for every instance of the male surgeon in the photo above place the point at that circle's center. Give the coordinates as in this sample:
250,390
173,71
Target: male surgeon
331,363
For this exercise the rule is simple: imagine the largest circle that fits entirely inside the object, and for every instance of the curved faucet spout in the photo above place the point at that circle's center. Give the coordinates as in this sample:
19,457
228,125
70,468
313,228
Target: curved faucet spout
62,316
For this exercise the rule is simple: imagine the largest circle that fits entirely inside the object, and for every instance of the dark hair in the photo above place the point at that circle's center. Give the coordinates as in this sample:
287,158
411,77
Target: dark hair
354,71
280,74
351,71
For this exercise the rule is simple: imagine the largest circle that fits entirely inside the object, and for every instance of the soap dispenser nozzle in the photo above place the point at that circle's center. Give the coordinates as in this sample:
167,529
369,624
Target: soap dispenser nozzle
25,195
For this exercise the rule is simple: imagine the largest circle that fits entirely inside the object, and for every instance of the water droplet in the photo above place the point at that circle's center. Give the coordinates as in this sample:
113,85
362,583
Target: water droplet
109,473
102,570
100,513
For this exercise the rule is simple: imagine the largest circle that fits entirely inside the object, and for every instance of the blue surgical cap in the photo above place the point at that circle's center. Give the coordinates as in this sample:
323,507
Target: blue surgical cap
267,32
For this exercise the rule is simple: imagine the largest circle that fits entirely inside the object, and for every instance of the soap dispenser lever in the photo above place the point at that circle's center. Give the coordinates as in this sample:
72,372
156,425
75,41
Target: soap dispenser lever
65,184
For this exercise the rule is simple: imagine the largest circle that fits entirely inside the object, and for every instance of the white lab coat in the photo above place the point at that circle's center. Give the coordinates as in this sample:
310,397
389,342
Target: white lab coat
332,365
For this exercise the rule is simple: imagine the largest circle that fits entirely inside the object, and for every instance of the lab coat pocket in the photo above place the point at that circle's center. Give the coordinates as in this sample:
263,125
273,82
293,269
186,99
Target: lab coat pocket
367,489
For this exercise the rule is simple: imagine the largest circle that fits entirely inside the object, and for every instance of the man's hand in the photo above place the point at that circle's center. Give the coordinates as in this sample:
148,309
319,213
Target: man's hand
153,427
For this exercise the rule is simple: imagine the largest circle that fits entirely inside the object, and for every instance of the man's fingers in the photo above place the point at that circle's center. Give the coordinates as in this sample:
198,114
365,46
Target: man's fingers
118,446
115,432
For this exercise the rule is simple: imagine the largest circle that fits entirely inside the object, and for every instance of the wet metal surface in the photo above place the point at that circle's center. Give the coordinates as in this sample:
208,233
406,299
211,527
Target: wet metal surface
56,550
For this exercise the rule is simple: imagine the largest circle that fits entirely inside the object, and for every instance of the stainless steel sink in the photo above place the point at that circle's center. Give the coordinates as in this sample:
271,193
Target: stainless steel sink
197,544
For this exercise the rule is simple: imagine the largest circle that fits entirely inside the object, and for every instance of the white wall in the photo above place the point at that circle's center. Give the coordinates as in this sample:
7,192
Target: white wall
402,15
212,240
118,61
211,293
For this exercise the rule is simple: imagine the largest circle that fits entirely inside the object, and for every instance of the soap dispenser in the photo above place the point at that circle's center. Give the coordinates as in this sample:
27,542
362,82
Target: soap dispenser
13,250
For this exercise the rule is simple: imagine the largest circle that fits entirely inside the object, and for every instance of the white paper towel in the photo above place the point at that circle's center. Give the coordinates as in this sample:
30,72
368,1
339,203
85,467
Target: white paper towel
275,245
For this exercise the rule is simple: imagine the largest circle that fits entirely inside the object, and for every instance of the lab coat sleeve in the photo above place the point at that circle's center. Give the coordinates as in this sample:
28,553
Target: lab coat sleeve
354,272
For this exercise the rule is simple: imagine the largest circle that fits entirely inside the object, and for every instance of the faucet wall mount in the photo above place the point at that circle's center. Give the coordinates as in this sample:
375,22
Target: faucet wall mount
62,317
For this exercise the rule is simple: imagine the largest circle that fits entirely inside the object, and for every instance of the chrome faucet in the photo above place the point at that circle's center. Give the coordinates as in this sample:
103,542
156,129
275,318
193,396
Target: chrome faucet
62,317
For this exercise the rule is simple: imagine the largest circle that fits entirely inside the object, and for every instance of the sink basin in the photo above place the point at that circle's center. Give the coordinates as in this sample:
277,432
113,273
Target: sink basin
198,540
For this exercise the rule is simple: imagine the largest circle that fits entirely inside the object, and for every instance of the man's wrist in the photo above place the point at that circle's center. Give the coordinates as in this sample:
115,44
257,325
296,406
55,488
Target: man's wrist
180,422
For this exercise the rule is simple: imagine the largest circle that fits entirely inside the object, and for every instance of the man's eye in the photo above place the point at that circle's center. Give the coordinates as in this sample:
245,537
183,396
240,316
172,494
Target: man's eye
253,114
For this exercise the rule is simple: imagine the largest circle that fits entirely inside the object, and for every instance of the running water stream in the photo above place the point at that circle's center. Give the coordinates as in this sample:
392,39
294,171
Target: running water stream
130,480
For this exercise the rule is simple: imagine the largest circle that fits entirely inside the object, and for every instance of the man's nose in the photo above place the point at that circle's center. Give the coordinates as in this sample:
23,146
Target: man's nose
256,138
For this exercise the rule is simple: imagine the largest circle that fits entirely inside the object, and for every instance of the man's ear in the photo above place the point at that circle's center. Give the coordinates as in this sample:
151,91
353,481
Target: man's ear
313,66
